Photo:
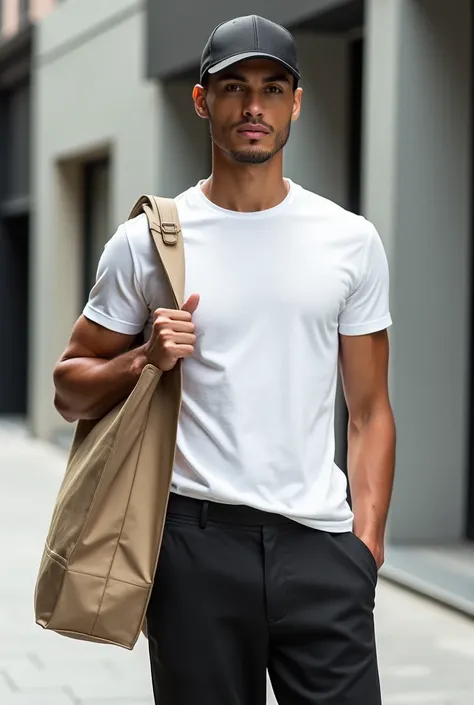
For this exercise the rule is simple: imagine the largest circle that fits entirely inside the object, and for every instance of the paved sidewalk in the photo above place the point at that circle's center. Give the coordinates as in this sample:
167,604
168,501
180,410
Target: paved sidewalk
426,652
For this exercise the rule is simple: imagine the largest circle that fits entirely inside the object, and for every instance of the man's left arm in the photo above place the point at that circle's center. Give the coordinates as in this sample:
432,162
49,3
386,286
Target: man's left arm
364,363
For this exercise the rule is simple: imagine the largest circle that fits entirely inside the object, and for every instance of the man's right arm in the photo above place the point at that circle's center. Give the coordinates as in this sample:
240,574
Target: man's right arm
98,369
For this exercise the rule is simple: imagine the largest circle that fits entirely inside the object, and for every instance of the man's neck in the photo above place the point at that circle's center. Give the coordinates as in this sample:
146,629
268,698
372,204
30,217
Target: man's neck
246,188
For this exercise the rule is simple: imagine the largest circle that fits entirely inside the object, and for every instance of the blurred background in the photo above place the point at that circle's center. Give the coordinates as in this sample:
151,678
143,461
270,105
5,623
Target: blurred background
96,109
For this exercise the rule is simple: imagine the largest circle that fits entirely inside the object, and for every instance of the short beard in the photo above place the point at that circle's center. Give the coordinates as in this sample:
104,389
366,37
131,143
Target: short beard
250,156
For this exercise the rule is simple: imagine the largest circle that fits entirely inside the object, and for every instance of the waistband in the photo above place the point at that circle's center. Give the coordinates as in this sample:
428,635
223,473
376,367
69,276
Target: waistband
238,514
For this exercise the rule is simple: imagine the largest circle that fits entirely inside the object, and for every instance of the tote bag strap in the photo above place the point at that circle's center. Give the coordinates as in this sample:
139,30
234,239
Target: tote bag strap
165,228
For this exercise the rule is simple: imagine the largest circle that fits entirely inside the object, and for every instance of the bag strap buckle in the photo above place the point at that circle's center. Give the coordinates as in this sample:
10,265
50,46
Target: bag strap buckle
169,232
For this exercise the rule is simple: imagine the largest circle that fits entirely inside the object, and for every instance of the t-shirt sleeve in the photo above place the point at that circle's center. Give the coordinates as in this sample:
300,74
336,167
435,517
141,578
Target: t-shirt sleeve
367,309
116,300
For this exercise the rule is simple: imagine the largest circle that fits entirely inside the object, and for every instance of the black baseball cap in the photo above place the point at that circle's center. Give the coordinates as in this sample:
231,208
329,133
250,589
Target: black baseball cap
250,37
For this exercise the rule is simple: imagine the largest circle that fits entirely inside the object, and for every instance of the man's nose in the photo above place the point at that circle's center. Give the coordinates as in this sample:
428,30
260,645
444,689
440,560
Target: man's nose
253,107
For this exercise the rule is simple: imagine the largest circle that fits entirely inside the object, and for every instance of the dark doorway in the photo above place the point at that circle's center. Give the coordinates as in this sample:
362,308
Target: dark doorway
14,287
356,67
96,223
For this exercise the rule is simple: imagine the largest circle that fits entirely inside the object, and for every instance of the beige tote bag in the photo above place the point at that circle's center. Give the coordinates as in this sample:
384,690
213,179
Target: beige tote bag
101,552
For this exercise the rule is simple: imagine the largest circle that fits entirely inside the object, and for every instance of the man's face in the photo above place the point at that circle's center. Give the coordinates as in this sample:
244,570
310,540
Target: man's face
250,107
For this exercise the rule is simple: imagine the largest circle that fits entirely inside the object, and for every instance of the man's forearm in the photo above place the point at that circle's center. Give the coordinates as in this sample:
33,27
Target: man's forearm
87,387
371,464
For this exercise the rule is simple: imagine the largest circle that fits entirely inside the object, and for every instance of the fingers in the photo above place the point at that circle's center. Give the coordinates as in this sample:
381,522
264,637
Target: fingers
173,315
173,336
185,314
178,338
175,351
175,326
178,332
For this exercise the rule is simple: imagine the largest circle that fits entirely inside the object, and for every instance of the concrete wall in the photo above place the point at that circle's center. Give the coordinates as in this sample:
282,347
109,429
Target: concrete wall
418,192
184,147
90,98
317,153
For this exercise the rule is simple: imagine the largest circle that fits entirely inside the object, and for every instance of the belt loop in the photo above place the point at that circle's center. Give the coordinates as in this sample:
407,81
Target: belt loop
204,515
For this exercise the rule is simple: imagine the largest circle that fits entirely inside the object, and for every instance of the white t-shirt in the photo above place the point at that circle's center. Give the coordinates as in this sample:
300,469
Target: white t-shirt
277,287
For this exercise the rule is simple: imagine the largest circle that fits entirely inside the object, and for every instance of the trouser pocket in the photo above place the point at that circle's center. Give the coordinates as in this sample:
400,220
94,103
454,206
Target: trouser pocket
355,556
367,555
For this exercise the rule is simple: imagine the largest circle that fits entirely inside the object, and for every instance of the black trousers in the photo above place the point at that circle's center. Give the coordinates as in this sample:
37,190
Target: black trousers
239,591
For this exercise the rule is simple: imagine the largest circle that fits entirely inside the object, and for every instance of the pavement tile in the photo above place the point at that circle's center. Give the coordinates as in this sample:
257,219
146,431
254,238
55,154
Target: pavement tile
6,686
28,675
95,689
85,679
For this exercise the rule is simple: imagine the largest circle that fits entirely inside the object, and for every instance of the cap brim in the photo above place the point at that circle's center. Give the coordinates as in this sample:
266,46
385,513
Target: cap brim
250,55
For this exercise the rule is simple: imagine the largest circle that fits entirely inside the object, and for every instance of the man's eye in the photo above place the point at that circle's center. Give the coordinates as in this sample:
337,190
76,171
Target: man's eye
233,87
274,89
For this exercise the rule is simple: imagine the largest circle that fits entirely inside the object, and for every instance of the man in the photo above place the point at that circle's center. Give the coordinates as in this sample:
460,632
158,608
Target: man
263,565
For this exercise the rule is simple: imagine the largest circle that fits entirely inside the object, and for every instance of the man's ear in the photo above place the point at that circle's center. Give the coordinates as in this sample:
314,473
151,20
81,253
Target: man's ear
199,97
297,104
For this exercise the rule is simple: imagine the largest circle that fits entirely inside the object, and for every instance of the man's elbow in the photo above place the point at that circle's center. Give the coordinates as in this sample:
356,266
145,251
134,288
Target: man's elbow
63,410
61,402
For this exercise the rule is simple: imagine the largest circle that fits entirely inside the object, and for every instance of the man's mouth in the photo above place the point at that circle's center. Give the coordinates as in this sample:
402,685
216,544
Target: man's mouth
253,132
